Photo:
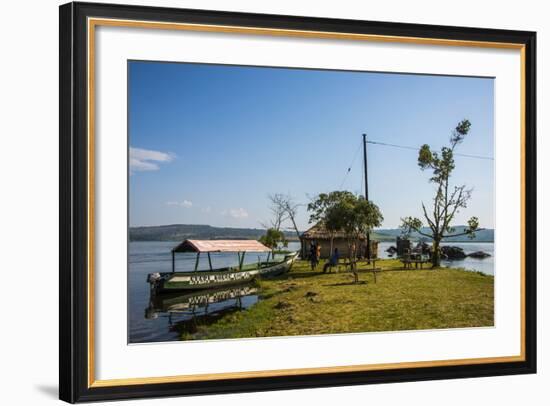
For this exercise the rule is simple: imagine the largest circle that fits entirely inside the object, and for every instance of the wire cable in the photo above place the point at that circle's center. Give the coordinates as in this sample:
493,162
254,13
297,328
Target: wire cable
416,149
351,165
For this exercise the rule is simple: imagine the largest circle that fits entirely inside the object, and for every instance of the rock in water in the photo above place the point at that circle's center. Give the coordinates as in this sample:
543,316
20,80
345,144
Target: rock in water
452,252
479,255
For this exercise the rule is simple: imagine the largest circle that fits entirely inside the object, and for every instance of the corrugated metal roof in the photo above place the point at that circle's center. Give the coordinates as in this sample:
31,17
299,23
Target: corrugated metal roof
221,246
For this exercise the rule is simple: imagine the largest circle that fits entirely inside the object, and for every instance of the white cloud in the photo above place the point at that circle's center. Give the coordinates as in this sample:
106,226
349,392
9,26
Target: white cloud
206,209
184,203
238,213
147,160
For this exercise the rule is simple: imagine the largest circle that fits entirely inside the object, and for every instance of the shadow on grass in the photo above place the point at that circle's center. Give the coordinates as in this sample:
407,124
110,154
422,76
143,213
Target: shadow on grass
348,283
297,275
267,296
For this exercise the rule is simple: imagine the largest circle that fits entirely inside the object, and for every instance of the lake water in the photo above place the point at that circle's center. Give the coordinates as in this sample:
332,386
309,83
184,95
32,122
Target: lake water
485,265
165,319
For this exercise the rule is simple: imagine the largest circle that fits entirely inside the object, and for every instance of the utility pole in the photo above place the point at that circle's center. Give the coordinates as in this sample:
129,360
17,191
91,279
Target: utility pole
365,163
366,189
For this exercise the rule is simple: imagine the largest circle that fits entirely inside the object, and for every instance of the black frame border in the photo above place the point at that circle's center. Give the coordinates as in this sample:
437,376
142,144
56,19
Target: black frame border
73,197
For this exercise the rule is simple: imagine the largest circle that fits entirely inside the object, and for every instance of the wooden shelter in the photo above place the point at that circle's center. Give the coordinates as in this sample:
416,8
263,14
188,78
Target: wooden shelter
319,235
175,281
241,247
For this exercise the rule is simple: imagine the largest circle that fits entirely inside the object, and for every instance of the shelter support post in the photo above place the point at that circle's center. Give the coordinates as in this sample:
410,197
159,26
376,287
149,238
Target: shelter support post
241,261
209,261
197,262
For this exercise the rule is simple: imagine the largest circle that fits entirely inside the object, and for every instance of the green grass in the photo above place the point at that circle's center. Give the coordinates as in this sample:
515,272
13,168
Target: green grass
303,302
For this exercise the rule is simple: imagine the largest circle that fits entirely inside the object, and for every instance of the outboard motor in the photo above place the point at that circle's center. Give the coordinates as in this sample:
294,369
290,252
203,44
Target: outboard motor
153,279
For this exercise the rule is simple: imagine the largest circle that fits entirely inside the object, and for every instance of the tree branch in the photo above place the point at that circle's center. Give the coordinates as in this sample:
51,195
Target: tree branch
464,233
430,222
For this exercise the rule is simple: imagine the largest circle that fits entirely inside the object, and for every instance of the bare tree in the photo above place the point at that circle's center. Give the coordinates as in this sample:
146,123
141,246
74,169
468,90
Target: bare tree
283,208
278,212
291,209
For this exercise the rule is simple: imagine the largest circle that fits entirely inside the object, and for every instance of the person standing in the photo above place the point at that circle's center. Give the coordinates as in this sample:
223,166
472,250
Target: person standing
317,254
333,260
312,255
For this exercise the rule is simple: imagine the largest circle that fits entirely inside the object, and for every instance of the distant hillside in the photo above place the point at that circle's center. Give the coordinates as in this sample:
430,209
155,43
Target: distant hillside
487,235
180,232
379,236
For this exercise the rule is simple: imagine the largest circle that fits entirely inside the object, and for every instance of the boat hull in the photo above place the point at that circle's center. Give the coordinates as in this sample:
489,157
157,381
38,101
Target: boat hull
182,281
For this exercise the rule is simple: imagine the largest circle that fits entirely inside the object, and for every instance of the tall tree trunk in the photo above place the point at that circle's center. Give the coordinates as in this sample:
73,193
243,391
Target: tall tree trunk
436,254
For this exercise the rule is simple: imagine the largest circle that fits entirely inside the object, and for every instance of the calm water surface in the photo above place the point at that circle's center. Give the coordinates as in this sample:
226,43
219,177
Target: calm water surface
165,319
485,265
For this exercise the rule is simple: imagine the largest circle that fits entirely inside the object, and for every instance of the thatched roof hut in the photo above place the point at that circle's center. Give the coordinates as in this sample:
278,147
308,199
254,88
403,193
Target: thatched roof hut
318,234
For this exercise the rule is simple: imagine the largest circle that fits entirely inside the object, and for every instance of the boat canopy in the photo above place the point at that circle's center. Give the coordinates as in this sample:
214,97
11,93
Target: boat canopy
220,246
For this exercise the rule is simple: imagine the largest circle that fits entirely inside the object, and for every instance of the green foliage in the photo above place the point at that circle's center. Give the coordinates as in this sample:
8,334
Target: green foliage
273,238
324,201
342,211
425,157
447,200
460,132
473,226
410,224
355,216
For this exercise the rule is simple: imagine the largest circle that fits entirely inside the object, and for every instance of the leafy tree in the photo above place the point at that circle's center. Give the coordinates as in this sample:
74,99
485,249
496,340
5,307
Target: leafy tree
273,238
320,205
355,217
342,211
448,200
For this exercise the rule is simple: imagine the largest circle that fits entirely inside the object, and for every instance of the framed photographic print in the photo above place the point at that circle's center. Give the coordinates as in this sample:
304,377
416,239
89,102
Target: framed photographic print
257,202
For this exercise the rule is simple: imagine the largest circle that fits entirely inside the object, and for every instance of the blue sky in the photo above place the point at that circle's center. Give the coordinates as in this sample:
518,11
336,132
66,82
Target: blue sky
208,143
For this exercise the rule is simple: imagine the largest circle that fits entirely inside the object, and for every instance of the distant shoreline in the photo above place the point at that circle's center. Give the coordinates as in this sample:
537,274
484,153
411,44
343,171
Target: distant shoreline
180,232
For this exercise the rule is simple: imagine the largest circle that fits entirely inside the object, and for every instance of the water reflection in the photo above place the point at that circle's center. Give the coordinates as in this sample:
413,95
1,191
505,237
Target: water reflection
188,311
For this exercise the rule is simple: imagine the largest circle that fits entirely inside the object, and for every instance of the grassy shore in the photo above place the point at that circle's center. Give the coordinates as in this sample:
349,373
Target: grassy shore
304,302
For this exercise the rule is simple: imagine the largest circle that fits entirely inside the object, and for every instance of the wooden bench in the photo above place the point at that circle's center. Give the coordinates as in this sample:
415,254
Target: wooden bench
350,265
355,270
416,260
374,271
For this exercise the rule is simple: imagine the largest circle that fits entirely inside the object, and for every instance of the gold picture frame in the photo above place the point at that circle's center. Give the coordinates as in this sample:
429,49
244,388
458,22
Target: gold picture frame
78,25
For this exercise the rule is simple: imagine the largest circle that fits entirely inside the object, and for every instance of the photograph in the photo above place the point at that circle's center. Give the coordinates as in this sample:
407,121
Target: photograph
283,201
